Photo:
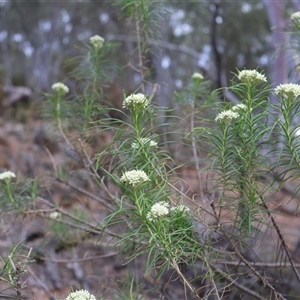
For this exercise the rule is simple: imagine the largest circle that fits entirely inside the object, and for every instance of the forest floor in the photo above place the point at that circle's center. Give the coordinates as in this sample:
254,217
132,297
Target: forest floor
32,148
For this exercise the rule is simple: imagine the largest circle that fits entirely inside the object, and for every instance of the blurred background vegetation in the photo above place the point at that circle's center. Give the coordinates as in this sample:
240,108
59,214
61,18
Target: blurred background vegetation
38,38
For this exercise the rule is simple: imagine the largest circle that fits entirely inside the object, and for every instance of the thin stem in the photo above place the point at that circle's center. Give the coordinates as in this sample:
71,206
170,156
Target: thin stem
139,48
211,274
194,149
58,117
281,238
182,277
235,283
243,259
9,191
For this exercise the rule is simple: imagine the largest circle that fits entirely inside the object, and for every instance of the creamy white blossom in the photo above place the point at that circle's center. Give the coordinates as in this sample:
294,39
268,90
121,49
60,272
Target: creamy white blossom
239,107
297,132
180,208
60,87
6,175
143,141
288,89
157,210
97,41
295,16
134,177
226,115
81,295
197,76
136,100
251,76
54,215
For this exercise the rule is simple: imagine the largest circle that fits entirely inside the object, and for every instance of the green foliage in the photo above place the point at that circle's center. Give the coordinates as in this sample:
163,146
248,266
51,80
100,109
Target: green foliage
237,149
129,290
13,267
17,195
149,213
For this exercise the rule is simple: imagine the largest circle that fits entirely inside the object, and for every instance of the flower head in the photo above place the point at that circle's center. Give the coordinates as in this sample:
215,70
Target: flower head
81,295
157,210
97,41
239,107
251,76
288,90
198,76
134,177
226,115
59,87
54,215
295,16
180,208
142,142
136,100
7,175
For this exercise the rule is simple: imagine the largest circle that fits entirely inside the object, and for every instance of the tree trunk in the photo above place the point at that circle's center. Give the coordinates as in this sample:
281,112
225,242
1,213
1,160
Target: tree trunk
279,40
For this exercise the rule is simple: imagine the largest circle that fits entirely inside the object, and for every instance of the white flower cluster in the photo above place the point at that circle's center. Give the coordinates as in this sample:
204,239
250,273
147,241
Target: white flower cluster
226,115
134,177
97,41
198,76
288,89
59,87
142,142
136,100
6,175
295,16
180,208
239,107
157,210
251,76
81,295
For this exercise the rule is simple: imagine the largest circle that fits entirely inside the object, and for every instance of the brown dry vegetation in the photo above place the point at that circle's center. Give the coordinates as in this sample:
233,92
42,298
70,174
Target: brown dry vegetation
74,259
